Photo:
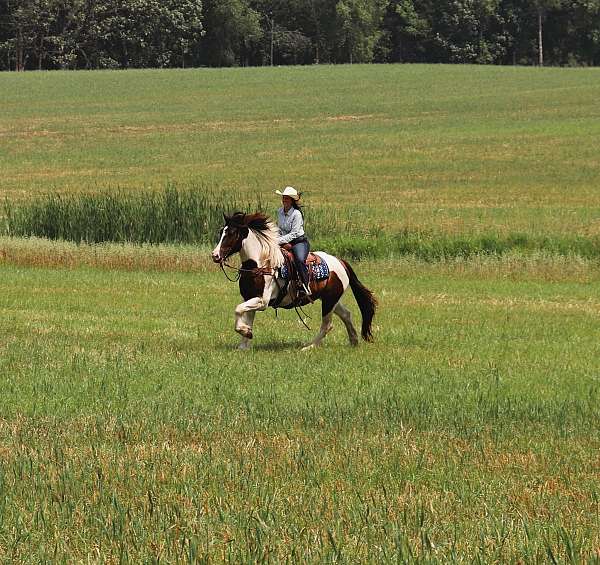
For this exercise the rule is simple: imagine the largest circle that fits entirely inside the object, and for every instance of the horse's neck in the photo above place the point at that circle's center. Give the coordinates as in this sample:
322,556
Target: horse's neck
253,250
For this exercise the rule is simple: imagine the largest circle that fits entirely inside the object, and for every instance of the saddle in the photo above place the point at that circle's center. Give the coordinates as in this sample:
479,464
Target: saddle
316,267
286,249
317,270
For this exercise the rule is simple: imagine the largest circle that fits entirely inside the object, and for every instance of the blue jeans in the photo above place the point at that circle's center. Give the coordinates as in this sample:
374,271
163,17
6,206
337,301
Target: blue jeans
300,251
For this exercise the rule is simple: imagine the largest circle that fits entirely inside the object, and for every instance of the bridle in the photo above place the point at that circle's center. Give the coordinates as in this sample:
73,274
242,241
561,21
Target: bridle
239,270
264,271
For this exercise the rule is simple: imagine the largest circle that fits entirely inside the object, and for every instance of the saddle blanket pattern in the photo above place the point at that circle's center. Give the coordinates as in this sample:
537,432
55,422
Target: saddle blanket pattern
319,272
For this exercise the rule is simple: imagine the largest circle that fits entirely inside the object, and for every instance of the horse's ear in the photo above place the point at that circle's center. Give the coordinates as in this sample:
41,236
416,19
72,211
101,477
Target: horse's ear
237,219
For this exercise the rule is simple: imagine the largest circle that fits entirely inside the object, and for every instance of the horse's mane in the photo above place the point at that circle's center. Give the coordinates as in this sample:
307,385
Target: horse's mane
266,233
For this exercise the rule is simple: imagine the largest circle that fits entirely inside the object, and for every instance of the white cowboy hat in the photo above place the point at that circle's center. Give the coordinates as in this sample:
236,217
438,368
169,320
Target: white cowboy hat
289,191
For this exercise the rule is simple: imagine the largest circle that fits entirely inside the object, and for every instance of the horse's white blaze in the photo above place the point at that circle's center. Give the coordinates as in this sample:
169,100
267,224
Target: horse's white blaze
217,250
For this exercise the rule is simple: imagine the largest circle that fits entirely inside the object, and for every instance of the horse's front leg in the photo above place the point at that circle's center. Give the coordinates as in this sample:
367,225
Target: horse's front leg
245,312
243,323
248,322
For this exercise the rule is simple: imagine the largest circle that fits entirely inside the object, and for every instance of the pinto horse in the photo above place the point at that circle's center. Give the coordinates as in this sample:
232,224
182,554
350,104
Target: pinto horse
255,238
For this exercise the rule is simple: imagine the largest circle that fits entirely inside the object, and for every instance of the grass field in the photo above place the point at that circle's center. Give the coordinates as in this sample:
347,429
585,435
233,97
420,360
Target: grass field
453,148
131,430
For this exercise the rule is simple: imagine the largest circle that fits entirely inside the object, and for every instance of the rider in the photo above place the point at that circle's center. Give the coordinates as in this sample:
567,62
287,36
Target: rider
291,230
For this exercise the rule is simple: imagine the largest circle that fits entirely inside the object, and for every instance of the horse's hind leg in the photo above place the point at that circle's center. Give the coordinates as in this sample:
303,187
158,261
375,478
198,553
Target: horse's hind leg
330,297
326,327
346,317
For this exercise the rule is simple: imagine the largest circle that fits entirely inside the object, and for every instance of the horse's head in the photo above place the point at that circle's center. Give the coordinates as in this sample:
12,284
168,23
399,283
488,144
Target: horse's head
231,237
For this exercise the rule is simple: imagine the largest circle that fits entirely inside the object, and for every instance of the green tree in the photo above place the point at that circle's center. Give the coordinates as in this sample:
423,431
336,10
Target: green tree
147,33
232,27
50,34
579,32
471,31
408,31
316,20
358,28
26,25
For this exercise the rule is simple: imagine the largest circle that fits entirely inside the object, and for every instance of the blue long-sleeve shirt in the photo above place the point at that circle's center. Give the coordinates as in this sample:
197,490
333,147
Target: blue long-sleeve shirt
291,225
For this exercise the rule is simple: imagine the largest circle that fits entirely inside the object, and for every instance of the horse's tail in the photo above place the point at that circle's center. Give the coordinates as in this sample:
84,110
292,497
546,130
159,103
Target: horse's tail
367,303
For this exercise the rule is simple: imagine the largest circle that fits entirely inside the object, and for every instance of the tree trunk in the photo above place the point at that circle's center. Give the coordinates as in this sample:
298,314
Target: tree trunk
19,66
540,40
272,32
85,58
41,53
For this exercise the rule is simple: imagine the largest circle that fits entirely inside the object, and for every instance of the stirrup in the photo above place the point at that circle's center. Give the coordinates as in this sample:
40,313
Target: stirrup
302,293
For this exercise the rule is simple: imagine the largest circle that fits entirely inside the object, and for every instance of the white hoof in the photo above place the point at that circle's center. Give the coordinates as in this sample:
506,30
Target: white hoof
308,347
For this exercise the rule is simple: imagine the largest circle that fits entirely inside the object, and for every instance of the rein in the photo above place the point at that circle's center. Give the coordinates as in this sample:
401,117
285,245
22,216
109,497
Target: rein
256,271
264,272
300,316
222,264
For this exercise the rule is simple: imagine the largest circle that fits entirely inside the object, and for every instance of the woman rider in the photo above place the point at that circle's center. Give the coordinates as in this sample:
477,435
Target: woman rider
291,230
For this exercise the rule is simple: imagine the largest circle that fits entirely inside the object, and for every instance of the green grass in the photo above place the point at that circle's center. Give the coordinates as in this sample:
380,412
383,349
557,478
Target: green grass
195,216
453,149
132,430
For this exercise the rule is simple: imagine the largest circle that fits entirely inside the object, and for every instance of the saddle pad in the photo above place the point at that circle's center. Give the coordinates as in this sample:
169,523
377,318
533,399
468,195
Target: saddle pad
319,271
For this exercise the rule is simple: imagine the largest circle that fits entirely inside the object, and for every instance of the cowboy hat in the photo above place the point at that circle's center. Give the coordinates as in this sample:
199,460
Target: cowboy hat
289,191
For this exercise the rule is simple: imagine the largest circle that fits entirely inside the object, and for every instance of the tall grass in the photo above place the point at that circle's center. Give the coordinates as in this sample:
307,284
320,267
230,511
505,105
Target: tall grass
193,215
169,216
190,215
432,246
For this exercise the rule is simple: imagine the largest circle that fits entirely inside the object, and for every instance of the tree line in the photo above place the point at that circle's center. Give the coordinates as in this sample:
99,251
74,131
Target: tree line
99,34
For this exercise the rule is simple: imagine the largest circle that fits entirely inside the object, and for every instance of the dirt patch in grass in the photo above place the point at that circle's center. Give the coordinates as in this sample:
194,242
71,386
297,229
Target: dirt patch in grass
350,118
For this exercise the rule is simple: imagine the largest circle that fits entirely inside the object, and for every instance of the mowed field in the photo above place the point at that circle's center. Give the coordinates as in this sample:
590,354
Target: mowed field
131,430
451,148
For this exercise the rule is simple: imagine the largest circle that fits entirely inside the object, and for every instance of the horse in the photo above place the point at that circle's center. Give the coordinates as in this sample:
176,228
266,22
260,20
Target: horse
255,237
